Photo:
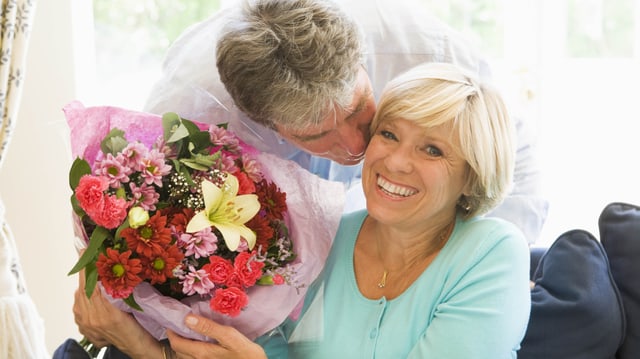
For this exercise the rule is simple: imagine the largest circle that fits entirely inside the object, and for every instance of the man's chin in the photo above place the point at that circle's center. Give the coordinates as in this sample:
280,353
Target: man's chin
352,161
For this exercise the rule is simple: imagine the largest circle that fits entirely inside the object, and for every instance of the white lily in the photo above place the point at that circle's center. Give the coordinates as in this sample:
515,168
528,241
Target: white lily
227,212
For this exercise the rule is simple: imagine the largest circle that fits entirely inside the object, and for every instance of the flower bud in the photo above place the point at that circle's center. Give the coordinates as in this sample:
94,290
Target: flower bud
138,217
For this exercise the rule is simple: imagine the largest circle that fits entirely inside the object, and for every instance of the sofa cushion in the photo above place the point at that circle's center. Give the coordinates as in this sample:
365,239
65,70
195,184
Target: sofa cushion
576,310
619,226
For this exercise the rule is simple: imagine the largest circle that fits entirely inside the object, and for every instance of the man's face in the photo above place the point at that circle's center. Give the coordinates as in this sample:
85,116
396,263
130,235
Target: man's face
342,138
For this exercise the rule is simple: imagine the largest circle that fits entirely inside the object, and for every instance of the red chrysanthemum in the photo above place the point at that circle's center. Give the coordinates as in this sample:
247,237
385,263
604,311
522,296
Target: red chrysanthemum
272,200
149,239
178,217
158,268
229,301
264,232
118,272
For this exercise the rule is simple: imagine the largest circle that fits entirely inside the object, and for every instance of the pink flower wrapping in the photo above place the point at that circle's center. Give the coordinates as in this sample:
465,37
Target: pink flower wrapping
314,207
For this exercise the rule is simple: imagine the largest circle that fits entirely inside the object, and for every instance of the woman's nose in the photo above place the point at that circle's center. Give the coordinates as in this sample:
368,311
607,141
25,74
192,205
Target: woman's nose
398,159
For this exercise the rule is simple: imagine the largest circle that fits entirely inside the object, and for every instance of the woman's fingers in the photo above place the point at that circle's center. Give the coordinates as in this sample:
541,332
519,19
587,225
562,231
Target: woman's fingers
231,343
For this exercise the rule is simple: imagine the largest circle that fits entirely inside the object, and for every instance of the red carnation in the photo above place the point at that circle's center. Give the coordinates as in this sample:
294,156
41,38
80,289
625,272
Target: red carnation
219,269
247,268
245,184
229,301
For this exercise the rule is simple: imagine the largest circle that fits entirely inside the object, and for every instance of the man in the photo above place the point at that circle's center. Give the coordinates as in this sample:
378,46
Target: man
300,78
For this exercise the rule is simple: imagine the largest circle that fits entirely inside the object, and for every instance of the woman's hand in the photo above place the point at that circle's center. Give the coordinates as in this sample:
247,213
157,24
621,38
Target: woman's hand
231,343
103,324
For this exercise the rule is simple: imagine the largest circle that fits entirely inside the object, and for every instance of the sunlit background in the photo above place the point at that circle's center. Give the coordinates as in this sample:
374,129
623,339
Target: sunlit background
571,66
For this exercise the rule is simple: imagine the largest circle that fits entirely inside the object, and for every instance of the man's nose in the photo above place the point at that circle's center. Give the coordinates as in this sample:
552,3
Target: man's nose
353,138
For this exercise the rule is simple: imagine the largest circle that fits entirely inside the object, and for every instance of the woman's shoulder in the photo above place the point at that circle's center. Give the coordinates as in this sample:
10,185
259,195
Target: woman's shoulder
483,234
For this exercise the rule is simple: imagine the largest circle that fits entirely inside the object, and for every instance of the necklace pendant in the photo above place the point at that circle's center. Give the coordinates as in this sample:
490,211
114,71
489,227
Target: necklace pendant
383,281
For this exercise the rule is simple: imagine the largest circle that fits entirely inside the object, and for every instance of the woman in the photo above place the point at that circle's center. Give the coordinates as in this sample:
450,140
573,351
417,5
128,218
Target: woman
419,274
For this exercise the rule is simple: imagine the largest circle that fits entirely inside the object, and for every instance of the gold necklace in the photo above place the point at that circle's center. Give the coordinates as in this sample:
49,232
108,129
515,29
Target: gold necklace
383,281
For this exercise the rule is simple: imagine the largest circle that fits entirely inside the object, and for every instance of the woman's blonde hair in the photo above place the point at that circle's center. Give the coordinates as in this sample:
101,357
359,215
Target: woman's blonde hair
437,94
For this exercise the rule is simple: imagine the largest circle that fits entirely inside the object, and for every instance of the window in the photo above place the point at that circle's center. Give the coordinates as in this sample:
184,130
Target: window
131,38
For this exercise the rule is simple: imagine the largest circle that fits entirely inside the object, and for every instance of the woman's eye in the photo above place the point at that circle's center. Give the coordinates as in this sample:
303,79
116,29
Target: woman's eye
388,135
433,151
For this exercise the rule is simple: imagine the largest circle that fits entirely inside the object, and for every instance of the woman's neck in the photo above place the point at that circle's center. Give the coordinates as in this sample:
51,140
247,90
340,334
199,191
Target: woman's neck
388,261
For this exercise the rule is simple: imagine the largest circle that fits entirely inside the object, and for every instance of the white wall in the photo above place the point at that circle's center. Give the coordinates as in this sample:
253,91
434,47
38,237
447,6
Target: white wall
33,179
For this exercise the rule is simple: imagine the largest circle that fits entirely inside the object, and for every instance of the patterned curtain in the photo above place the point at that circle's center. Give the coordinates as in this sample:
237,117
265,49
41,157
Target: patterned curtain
21,327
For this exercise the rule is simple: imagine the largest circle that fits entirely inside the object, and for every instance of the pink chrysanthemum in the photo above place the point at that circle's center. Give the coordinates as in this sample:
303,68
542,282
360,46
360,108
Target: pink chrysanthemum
134,153
196,281
144,196
115,169
252,168
200,244
154,168
227,162
222,137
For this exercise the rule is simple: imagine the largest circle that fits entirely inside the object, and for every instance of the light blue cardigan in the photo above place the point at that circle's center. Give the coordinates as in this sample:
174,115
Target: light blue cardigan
473,301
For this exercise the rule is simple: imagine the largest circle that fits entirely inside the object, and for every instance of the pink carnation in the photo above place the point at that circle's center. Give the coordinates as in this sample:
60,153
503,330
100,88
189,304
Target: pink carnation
90,192
112,213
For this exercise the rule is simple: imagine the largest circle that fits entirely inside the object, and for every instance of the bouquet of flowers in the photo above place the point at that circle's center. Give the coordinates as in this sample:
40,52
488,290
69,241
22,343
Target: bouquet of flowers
179,216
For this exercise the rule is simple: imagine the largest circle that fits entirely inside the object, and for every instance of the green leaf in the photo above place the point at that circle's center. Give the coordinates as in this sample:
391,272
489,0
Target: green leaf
132,303
125,224
113,142
79,168
174,128
201,141
91,278
76,206
91,253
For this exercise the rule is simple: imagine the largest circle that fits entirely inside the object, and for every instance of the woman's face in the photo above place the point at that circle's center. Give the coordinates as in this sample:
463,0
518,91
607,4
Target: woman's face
413,175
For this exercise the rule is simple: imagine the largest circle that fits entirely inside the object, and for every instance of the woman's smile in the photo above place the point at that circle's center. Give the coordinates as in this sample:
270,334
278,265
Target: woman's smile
393,189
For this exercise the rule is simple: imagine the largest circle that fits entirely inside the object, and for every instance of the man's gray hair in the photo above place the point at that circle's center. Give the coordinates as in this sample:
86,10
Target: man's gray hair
290,62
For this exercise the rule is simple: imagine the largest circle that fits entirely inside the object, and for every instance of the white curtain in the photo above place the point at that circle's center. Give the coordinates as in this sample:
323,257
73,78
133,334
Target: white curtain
21,327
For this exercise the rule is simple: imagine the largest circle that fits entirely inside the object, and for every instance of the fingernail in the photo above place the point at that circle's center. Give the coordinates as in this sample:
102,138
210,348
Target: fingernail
191,320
